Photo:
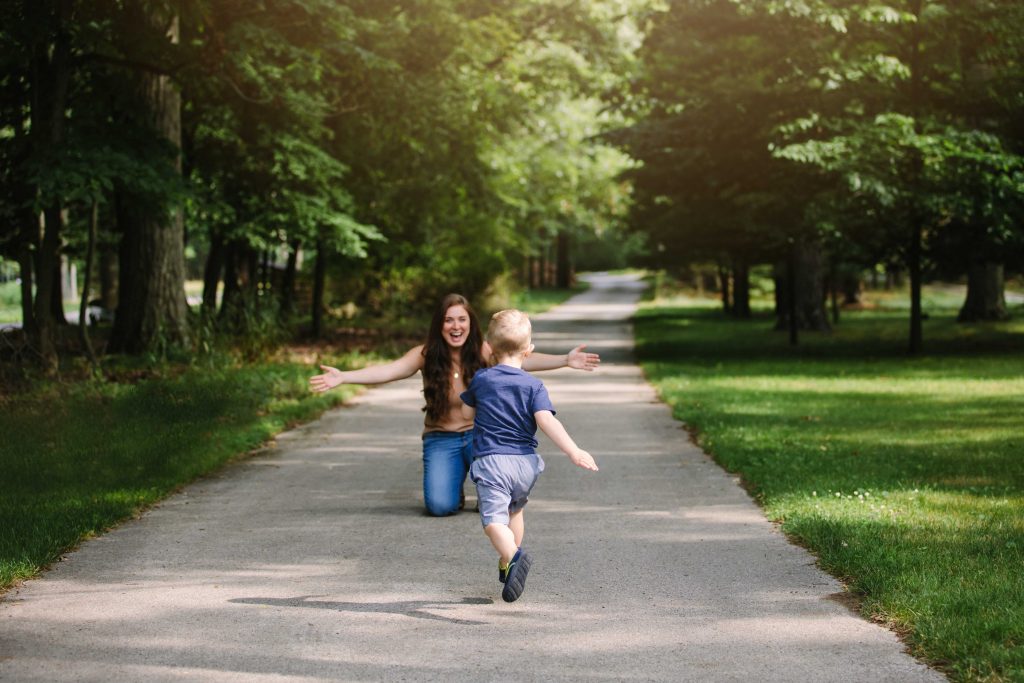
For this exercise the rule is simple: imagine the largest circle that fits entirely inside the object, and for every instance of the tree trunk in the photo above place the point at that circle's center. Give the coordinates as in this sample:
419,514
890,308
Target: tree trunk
833,291
287,294
916,166
47,275
779,275
914,266
986,294
231,298
153,310
535,272
108,278
723,286
851,286
319,278
791,308
740,289
57,296
83,308
28,316
563,277
50,79
805,290
211,273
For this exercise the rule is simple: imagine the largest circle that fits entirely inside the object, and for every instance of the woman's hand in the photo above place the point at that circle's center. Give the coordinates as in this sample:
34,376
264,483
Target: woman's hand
330,379
581,360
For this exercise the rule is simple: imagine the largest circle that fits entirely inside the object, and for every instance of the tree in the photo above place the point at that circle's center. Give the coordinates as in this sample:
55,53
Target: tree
719,78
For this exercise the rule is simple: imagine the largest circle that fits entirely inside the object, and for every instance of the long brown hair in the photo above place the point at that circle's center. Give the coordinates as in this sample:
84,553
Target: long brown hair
437,360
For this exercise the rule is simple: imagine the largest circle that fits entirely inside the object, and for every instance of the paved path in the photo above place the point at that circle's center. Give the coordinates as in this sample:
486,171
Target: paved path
314,561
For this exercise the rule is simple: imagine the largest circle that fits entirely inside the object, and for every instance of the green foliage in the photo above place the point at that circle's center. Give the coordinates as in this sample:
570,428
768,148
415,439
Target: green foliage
759,123
904,478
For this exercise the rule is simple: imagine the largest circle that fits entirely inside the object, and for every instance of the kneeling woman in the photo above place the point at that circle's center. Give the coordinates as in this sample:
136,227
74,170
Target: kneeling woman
454,351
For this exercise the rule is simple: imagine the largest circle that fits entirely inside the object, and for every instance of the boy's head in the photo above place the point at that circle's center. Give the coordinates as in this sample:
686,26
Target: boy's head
509,334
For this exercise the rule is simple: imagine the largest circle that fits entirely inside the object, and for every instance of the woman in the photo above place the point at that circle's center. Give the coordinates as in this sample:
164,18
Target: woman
453,352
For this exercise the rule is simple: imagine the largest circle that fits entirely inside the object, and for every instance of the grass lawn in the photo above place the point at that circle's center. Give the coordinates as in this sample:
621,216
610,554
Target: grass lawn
905,476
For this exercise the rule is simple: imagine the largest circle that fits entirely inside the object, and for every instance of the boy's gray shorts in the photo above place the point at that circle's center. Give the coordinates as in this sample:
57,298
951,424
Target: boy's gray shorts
503,483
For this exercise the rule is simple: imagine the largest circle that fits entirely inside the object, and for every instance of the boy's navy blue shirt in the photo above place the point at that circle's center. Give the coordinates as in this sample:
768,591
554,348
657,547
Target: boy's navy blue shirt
505,399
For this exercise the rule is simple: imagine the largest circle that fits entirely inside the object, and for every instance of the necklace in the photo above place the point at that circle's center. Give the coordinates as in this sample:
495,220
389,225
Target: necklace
456,373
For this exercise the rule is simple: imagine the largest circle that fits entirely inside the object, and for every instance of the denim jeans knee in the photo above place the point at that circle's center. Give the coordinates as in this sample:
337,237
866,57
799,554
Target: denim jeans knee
446,460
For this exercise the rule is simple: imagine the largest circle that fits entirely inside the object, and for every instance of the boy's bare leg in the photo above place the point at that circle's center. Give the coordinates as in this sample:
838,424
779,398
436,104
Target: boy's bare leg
503,540
518,527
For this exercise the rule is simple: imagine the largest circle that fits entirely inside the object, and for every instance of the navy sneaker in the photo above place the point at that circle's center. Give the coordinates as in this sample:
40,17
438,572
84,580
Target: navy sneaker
515,577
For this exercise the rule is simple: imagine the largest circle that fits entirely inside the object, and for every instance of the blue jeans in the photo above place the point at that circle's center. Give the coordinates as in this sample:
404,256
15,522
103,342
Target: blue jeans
446,460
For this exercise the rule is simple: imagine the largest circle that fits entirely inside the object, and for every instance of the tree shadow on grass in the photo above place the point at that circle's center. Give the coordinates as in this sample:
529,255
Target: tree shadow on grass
710,336
409,608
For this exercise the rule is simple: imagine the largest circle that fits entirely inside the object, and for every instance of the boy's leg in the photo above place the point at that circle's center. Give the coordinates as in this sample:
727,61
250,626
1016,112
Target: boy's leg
503,540
516,523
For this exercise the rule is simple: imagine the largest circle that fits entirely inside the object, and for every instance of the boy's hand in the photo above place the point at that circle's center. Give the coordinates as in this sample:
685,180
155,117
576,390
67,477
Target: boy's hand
330,379
583,459
581,360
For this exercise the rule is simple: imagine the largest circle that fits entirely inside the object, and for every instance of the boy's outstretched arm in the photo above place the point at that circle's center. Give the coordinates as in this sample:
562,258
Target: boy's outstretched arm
550,425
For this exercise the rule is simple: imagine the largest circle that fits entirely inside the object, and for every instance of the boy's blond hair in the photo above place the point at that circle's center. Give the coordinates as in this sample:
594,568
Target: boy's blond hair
509,333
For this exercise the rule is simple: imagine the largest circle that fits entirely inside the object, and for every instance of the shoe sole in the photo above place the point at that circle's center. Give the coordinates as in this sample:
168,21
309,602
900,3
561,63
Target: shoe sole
515,582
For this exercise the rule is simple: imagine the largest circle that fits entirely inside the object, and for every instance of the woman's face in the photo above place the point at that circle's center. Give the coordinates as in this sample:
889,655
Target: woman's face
455,329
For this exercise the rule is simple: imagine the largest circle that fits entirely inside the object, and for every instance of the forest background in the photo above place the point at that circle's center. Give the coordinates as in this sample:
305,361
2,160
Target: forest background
228,192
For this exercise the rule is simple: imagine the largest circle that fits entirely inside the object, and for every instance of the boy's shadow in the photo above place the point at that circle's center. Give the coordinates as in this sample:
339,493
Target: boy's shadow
409,608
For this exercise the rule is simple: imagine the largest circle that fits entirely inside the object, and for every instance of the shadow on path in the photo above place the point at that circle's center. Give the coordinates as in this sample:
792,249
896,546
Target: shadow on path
408,608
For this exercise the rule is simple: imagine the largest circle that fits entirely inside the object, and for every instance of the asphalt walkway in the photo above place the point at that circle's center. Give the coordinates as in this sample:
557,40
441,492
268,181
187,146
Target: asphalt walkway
314,561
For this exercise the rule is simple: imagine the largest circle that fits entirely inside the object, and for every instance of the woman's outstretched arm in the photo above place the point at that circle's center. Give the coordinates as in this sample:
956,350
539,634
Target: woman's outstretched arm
406,366
577,358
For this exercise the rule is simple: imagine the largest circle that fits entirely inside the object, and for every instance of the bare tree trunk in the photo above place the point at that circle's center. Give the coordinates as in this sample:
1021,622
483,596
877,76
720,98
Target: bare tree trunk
211,273
986,293
723,286
28,316
851,286
83,308
50,79
563,277
287,294
779,277
153,310
108,278
319,278
791,307
833,290
916,221
741,288
805,287
57,295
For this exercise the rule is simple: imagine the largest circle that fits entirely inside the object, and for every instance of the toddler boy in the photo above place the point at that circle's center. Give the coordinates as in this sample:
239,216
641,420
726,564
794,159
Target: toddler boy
507,405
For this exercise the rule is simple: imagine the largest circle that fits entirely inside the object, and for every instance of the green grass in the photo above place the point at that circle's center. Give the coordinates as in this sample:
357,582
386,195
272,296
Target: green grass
10,302
905,476
76,459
